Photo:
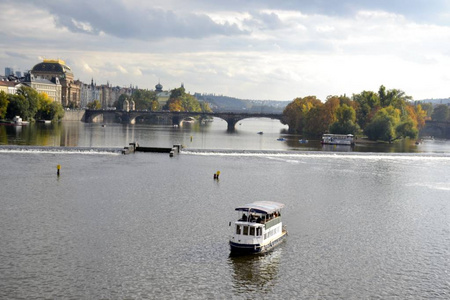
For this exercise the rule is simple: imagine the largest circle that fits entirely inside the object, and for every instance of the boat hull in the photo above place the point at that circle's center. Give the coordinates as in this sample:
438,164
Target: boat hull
243,249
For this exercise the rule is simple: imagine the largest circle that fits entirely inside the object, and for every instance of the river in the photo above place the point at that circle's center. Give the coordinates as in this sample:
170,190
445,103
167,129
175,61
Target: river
368,222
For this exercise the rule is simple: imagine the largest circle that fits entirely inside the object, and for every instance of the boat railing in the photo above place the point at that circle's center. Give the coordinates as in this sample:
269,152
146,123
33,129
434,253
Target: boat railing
272,222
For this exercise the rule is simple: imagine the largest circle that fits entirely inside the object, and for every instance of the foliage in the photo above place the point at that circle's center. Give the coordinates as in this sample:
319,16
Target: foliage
383,125
3,104
181,101
18,106
407,128
383,115
94,105
440,113
296,112
144,99
29,104
428,108
346,121
32,97
119,103
49,110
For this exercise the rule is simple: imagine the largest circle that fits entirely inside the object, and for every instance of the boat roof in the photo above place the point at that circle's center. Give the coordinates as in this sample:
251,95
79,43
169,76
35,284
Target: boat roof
266,207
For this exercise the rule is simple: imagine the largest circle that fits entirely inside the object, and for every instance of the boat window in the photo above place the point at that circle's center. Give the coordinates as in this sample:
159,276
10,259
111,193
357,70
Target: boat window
238,229
259,231
252,231
245,230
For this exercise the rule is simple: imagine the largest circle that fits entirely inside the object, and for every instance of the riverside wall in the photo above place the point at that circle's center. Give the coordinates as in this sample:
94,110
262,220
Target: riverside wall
73,115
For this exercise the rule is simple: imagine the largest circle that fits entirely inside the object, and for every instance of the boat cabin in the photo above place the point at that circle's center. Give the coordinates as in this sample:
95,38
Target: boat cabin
258,227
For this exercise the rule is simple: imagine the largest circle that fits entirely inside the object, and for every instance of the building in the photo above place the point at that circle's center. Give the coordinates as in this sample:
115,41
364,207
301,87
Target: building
52,87
9,71
9,87
57,68
162,96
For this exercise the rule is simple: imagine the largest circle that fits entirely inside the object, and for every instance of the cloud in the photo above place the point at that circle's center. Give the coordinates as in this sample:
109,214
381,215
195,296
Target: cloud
134,22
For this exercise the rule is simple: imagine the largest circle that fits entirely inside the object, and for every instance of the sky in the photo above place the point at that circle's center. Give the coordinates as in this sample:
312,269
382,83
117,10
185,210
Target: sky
252,49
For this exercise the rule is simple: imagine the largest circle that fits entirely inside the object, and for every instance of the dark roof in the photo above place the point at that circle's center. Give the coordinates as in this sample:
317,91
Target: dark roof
51,67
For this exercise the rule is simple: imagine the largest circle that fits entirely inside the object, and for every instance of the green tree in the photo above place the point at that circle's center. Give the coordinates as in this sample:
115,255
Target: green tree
32,96
120,101
94,105
49,110
144,99
3,104
383,125
18,106
367,103
440,113
346,121
407,128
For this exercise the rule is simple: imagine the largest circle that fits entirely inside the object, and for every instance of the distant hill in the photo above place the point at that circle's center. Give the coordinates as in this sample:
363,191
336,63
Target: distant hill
219,103
436,101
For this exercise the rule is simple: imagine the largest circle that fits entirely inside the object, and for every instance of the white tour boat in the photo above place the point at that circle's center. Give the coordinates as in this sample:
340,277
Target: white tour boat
337,139
258,228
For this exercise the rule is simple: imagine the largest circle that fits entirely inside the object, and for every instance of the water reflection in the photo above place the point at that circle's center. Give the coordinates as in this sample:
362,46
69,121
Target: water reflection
255,272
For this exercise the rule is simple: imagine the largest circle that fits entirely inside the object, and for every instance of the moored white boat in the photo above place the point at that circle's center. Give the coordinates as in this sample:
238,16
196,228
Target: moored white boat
337,139
258,229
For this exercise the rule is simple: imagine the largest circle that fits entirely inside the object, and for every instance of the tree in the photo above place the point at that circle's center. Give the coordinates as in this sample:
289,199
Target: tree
120,101
407,128
440,113
383,125
3,104
32,96
181,101
144,99
346,121
18,106
49,110
94,105
367,104
295,112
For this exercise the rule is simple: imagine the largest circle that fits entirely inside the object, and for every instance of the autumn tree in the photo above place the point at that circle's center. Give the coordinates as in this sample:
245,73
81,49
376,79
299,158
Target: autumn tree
179,100
296,112
345,121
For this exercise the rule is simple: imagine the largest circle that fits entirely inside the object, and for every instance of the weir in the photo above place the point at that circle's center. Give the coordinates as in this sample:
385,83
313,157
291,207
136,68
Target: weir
135,147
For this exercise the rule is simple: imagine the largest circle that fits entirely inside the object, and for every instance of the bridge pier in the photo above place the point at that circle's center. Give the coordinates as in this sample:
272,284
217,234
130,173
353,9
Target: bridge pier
231,123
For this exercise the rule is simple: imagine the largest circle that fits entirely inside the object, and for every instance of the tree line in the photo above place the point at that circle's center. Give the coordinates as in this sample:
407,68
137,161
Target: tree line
179,100
29,105
385,115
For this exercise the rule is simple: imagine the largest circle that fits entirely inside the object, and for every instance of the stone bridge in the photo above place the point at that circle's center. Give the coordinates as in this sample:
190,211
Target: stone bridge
129,117
437,129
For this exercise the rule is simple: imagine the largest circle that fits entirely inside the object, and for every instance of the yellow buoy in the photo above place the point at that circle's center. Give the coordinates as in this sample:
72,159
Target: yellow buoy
58,167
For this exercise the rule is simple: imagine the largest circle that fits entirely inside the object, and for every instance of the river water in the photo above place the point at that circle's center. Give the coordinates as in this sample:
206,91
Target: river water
368,222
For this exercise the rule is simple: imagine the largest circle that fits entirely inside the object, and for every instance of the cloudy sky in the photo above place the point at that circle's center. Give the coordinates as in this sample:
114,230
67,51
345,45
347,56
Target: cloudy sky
252,49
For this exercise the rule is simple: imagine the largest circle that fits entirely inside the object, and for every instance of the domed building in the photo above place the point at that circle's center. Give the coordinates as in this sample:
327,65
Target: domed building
51,68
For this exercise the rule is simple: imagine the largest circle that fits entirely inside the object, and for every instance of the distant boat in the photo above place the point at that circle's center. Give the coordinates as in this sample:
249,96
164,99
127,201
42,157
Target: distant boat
260,132
258,229
302,141
281,139
44,121
338,139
